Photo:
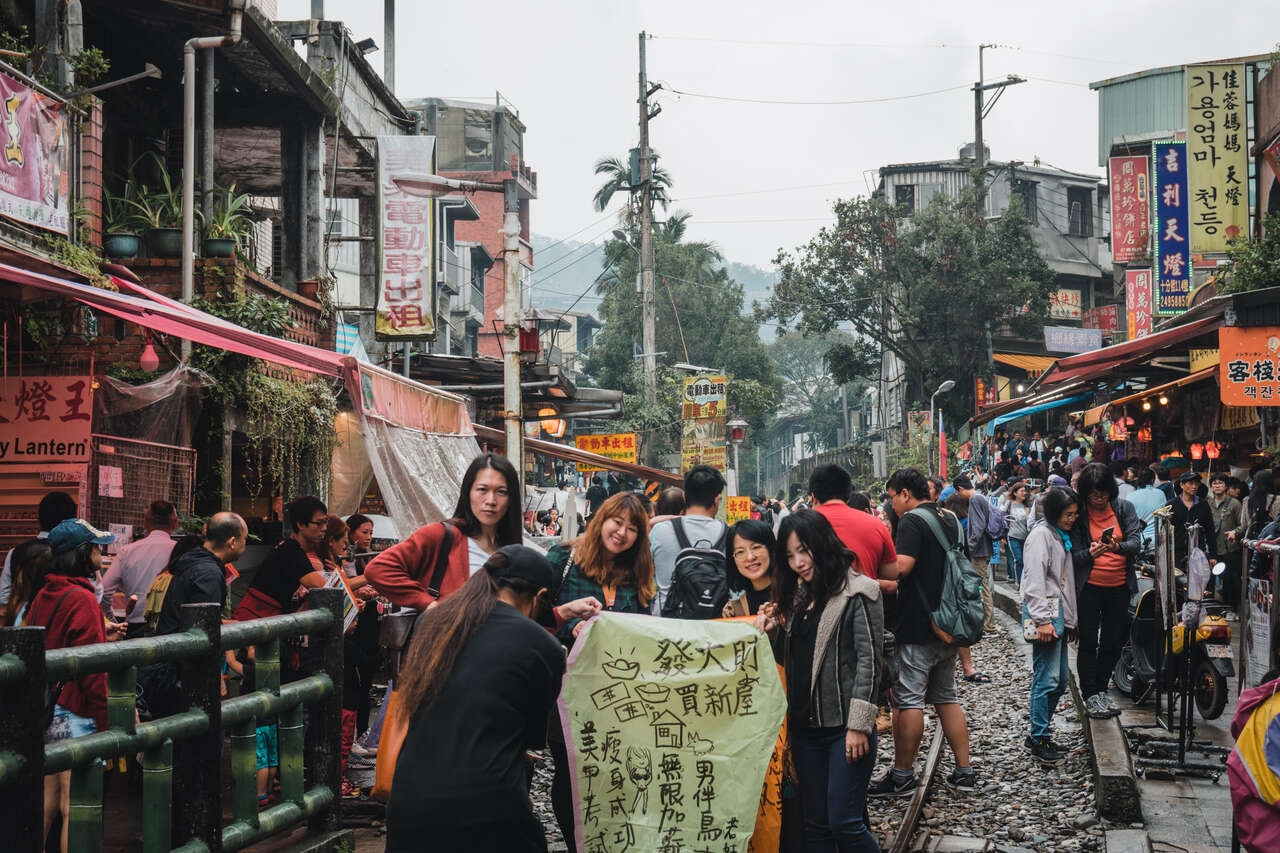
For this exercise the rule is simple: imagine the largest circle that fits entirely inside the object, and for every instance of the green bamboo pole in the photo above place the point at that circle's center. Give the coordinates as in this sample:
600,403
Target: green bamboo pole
266,667
72,662
291,755
244,772
85,819
122,699
157,798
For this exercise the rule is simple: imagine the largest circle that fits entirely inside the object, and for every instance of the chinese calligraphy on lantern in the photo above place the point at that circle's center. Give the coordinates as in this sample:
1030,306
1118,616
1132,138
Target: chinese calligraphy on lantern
620,446
406,262
1249,365
669,726
1130,208
1173,249
1217,155
45,418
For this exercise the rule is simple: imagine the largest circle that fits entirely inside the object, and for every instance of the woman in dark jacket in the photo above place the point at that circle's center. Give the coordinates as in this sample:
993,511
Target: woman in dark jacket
1105,542
834,652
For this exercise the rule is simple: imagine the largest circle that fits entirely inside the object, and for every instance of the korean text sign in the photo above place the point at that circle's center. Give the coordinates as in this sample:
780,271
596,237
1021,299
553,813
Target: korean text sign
669,725
620,446
1249,365
34,177
1137,302
1173,248
406,242
1130,208
45,418
1217,155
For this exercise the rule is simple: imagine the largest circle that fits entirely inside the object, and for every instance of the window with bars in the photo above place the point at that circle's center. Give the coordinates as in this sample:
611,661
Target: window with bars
1080,209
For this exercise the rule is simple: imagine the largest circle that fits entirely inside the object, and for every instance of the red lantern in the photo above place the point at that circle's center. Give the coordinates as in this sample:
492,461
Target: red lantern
1213,449
1197,451
1144,434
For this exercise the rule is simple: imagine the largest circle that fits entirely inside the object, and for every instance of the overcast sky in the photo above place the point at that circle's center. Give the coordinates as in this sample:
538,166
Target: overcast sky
570,69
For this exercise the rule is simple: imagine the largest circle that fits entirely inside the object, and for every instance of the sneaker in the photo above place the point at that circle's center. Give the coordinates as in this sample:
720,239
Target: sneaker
890,785
1044,750
963,781
1111,703
1096,707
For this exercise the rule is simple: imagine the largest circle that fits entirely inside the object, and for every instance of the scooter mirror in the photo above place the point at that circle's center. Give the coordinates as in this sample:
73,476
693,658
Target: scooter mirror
1219,568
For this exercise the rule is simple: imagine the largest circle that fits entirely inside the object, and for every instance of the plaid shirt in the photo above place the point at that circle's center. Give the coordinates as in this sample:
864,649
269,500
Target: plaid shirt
577,585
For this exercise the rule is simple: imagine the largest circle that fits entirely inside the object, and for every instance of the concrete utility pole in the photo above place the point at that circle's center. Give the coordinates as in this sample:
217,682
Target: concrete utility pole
648,305
511,409
980,111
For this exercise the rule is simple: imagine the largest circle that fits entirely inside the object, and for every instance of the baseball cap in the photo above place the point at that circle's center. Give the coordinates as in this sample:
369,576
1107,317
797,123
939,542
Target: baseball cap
526,564
1188,476
1055,480
74,532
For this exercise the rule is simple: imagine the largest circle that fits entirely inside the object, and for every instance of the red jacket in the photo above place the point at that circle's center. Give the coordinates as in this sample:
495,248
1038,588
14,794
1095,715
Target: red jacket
77,621
403,571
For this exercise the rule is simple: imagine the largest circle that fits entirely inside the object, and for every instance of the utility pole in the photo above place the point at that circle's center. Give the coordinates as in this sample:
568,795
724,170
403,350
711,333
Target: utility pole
511,400
980,111
648,306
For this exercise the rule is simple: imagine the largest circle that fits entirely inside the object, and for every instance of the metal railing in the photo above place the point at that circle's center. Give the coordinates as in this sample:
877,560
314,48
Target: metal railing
182,753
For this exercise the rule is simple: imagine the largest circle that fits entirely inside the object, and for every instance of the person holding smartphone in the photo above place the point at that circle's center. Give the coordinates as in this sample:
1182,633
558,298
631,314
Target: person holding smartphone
1105,541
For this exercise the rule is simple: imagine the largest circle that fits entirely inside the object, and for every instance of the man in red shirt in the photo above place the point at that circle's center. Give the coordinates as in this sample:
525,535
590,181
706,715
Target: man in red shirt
862,533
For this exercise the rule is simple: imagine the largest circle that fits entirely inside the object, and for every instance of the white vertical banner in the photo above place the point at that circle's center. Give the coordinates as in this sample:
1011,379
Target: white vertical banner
406,242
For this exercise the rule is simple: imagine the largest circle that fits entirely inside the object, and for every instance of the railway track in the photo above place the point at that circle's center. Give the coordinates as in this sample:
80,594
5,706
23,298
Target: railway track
900,840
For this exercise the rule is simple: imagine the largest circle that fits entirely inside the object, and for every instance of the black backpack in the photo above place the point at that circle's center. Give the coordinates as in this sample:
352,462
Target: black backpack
700,584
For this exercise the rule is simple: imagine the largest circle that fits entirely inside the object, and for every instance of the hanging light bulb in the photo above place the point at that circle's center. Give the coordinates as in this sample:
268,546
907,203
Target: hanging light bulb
1146,405
1164,401
150,362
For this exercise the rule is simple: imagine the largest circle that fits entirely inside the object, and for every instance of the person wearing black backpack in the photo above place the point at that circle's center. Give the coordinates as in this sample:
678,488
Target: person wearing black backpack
694,543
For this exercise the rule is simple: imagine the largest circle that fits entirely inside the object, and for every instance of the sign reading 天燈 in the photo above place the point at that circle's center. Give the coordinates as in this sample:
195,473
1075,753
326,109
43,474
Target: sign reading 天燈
669,725
45,418
1130,208
1217,155
1173,249
406,241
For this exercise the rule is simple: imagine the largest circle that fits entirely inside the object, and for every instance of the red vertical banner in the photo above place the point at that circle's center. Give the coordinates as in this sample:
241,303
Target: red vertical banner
1137,302
1130,208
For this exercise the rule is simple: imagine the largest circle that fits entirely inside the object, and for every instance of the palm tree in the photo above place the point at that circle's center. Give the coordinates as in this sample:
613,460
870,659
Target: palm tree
618,178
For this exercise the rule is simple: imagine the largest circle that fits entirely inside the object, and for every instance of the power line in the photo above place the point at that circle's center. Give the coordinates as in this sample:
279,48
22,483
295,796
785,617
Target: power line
787,102
771,190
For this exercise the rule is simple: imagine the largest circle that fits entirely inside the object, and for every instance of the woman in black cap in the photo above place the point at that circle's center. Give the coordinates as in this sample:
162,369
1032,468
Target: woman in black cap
479,680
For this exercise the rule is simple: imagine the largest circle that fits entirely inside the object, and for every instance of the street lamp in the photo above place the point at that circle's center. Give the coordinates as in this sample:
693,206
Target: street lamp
737,432
942,389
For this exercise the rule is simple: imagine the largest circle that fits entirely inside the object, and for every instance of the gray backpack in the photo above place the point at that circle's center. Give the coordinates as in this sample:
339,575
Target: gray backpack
958,619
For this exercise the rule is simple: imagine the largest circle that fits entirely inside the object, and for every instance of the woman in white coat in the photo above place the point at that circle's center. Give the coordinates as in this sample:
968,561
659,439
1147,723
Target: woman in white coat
1049,613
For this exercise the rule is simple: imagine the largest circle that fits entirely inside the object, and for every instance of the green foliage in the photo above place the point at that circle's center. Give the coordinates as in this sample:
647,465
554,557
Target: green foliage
43,322
1253,264
16,38
230,216
157,209
618,179
90,66
82,258
926,289
119,213
812,381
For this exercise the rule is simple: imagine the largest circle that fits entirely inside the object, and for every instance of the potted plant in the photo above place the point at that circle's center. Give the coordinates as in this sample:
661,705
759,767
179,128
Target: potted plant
119,238
159,214
228,223
309,287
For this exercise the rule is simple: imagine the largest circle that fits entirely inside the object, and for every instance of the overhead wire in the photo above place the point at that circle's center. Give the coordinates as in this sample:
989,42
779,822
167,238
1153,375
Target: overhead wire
799,103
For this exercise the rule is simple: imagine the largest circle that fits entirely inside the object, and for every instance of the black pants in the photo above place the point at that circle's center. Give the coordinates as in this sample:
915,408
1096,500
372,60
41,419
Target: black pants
561,787
1103,616
1229,582
513,835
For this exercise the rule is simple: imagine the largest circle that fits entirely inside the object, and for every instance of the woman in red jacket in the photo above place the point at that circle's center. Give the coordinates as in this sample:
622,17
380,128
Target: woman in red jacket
68,609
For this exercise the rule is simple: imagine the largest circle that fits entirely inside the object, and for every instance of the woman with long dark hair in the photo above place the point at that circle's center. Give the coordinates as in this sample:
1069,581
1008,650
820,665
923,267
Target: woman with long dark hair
30,563
486,518
749,551
1264,503
478,682
834,652
1021,511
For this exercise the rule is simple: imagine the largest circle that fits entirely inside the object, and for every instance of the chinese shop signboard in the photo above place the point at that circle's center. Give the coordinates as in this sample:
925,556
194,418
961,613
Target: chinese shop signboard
1104,317
703,440
406,241
1217,152
670,726
1071,339
1064,304
1248,372
1173,251
985,393
620,446
1137,302
45,419
34,179
737,509
1130,208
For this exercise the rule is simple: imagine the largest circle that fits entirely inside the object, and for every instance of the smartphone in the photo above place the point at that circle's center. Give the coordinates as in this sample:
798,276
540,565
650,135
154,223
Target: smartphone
1108,535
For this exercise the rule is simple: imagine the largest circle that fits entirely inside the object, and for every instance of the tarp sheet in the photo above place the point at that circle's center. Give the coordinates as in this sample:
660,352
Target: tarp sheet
1031,410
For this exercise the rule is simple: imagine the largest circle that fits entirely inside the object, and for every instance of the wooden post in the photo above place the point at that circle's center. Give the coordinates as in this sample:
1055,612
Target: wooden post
21,716
323,735
198,760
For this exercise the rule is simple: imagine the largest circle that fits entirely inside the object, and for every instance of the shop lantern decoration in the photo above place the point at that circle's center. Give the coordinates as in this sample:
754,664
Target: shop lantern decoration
150,362
1146,405
1197,451
528,342
553,426
1144,434
1212,449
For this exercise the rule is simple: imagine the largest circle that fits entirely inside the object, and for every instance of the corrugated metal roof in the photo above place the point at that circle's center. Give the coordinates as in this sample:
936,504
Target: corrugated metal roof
1146,104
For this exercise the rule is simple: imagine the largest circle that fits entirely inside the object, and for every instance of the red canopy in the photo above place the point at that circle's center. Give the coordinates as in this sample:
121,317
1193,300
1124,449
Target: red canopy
1100,361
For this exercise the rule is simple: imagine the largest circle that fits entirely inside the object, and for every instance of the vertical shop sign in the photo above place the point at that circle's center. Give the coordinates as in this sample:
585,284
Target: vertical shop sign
703,439
406,242
35,182
1137,302
1217,155
1173,249
985,393
1130,208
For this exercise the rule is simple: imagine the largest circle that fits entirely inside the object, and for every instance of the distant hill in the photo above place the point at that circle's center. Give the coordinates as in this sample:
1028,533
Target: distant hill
563,269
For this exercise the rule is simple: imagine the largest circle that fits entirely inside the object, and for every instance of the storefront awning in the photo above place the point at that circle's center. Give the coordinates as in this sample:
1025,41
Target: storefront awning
1029,363
1099,362
573,454
1189,379
1031,410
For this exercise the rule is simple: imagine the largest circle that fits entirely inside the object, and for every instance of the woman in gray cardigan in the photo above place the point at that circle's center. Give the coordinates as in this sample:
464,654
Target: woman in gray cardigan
834,654
1049,604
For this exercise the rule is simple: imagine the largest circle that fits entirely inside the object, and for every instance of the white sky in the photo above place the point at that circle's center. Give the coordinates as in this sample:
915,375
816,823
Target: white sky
571,68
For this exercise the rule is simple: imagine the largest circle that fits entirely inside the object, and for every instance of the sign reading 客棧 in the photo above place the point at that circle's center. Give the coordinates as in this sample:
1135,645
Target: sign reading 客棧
1173,250
1071,339
45,418
1248,368
406,242
34,141
669,725
1137,302
1217,155
620,446
1130,208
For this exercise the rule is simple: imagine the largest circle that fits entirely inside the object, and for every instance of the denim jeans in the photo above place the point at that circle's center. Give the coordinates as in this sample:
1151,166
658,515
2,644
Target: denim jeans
1015,551
1048,683
833,793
